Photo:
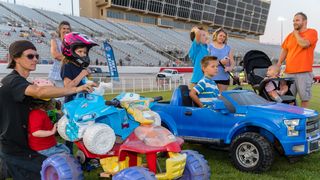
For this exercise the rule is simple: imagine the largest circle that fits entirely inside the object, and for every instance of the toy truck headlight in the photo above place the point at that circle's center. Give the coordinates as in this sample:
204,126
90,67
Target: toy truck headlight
291,125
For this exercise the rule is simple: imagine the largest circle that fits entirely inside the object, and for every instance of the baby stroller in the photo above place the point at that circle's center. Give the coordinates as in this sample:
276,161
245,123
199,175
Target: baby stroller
255,64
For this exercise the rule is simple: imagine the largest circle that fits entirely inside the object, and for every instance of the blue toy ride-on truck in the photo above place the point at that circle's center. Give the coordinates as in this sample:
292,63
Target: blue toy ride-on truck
248,125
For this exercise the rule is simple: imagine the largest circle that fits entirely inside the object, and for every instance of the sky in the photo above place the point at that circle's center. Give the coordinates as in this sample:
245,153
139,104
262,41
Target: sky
279,8
60,6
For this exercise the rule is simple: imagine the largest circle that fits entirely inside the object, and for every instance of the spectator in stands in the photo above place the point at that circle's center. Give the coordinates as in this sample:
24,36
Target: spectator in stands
55,50
198,50
128,58
298,52
97,61
224,53
16,94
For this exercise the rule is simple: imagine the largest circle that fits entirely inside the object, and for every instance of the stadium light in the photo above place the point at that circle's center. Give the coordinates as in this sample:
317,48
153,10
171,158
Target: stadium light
72,7
281,19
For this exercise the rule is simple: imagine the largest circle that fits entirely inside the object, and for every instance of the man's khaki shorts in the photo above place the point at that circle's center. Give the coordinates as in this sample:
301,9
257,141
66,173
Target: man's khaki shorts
302,85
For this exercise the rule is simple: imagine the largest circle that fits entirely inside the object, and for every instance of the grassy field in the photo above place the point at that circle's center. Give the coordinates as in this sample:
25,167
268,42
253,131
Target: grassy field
221,168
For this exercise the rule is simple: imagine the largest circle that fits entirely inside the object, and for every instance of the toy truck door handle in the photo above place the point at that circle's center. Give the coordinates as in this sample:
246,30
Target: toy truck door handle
188,113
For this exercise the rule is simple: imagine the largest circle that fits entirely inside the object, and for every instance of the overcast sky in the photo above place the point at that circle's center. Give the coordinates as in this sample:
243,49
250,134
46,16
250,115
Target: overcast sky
279,8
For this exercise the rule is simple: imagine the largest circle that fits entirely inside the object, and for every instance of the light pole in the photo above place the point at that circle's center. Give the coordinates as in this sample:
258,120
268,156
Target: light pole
281,19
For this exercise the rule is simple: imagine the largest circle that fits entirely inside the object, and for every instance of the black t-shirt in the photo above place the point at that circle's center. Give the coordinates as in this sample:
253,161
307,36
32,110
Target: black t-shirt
14,112
71,71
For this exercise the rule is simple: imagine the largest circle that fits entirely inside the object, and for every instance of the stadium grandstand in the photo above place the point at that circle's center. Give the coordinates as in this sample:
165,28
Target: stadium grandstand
142,32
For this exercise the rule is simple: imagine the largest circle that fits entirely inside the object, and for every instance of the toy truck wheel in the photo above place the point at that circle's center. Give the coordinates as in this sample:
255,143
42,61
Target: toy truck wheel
134,173
61,166
62,125
196,168
99,138
251,152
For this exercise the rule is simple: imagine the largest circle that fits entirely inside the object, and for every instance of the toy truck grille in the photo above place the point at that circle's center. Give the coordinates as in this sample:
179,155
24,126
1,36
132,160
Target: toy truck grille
313,126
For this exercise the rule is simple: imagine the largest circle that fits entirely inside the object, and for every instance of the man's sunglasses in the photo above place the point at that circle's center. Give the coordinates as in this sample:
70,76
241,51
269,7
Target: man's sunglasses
31,56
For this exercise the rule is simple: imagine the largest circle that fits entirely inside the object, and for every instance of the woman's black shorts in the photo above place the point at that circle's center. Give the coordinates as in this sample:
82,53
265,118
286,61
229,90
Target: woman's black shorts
224,82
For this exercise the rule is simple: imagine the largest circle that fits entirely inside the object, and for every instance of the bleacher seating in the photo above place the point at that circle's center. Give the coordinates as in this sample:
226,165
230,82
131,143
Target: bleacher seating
59,17
144,44
94,26
30,14
3,53
115,30
7,15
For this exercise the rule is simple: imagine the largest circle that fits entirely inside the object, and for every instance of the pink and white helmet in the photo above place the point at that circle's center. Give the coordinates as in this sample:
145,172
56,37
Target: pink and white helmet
69,44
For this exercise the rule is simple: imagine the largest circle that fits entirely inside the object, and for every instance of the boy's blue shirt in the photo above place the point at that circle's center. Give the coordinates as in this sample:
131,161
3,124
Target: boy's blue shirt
207,91
196,52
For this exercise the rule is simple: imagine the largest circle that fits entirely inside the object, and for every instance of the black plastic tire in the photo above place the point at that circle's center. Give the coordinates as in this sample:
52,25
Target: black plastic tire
251,152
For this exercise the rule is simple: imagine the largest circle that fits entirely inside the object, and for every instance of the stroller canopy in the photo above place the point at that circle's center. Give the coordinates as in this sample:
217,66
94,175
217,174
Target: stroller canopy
255,64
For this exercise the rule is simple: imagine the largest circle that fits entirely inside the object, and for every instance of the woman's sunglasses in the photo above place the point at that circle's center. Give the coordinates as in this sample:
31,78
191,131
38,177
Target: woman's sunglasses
31,56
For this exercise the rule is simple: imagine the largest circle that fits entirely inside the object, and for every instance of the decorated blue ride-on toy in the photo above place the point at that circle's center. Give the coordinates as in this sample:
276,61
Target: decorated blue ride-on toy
87,109
88,117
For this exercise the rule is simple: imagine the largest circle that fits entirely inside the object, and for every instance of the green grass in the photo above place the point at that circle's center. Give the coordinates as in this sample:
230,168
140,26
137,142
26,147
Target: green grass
221,168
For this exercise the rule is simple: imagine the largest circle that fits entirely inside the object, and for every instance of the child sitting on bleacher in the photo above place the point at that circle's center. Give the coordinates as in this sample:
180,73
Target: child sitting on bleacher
274,88
206,90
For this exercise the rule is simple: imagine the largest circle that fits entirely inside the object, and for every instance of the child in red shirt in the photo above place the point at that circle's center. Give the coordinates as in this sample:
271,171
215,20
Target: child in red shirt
41,131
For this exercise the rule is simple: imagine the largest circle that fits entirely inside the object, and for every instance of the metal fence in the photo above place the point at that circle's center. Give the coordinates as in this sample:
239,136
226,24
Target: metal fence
137,84
140,85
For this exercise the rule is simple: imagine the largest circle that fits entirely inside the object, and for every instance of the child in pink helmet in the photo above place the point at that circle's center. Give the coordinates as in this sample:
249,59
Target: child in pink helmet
75,47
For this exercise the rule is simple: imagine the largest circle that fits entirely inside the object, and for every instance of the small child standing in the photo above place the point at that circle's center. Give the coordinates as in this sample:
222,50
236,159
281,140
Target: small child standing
197,51
41,131
273,88
206,90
